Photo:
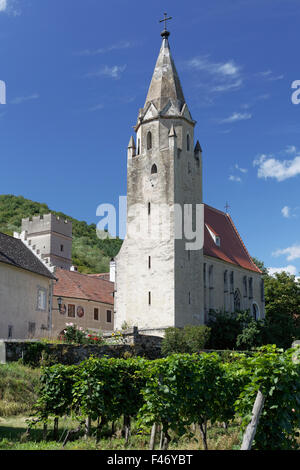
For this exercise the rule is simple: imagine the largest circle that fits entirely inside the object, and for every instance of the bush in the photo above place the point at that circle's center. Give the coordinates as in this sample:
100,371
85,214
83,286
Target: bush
180,390
236,330
275,373
190,339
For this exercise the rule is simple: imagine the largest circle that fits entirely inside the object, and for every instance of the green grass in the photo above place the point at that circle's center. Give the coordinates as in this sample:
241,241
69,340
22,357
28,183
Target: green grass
18,385
13,436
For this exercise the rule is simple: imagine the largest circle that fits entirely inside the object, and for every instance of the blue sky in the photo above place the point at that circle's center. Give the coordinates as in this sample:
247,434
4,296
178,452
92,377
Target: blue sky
77,73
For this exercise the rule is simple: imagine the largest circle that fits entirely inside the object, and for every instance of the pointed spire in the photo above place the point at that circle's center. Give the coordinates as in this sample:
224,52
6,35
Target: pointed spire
165,84
172,132
131,152
198,147
131,144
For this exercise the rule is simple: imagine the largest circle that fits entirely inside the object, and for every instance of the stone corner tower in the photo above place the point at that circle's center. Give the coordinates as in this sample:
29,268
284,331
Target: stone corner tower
158,280
51,238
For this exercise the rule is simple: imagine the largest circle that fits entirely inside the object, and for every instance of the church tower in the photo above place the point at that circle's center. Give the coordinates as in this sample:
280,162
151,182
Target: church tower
51,238
158,273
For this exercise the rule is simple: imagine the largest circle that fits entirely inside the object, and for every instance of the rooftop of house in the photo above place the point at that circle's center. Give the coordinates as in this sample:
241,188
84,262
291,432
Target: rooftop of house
231,247
75,285
15,253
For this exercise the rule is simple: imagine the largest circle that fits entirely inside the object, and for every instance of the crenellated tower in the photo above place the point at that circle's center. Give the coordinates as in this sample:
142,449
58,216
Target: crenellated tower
157,278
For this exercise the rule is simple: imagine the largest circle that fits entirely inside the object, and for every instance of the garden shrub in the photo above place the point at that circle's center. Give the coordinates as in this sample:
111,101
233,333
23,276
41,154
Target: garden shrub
277,376
189,339
180,390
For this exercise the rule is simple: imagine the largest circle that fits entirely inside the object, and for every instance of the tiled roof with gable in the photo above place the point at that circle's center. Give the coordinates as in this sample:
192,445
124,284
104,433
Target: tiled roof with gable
231,249
15,253
82,286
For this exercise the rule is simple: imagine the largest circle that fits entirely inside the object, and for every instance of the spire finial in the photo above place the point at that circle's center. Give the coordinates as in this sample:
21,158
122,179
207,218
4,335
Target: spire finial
227,207
165,33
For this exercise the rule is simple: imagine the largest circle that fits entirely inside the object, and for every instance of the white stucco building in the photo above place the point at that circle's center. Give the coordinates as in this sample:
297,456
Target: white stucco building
25,292
161,280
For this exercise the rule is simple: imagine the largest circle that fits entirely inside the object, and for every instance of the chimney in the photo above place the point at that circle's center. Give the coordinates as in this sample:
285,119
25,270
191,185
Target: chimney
112,270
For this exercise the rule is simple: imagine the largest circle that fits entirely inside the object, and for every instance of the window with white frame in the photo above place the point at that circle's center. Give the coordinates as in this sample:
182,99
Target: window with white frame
42,299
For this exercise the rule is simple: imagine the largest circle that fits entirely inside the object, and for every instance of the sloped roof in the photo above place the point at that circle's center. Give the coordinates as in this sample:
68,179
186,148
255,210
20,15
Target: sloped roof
15,253
82,286
232,248
165,83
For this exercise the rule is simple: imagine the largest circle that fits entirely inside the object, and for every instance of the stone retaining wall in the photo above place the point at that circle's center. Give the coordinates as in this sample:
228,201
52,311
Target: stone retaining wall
132,344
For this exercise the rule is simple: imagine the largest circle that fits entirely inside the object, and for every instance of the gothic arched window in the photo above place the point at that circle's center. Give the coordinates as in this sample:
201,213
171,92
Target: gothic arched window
262,290
226,291
188,143
237,301
154,170
255,311
211,287
226,281
250,288
231,282
149,141
245,293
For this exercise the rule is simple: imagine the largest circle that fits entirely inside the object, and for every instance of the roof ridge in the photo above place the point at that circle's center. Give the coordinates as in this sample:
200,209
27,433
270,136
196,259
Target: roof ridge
85,274
214,209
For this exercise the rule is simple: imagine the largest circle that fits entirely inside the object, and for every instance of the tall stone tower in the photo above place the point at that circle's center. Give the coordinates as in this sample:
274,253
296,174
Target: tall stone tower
51,238
158,279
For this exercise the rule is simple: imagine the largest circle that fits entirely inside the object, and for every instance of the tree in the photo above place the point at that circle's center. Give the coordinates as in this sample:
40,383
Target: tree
260,264
282,294
190,339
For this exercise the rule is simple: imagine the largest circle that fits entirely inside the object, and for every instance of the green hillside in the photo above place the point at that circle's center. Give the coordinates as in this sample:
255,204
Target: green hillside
89,254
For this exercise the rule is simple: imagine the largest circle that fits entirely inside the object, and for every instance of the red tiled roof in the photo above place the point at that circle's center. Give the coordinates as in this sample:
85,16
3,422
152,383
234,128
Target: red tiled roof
105,276
82,286
232,248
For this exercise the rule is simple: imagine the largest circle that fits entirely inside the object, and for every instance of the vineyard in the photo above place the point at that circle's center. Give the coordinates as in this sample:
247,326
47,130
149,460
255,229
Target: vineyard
175,395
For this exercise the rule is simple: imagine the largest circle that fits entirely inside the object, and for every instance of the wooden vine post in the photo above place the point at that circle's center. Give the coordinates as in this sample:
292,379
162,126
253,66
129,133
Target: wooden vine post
152,438
252,426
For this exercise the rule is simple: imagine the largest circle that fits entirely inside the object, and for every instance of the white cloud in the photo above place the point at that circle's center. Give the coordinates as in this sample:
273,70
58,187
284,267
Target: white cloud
225,76
3,5
97,107
235,178
103,50
22,99
289,269
292,252
113,72
242,170
227,86
268,75
286,212
237,117
11,7
270,167
291,149
214,68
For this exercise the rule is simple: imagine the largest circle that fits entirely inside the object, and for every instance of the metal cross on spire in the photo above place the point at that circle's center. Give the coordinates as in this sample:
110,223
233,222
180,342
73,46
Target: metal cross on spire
227,207
165,21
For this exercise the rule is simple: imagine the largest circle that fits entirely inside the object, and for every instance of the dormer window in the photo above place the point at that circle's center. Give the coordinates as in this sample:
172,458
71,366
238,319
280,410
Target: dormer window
149,141
216,238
